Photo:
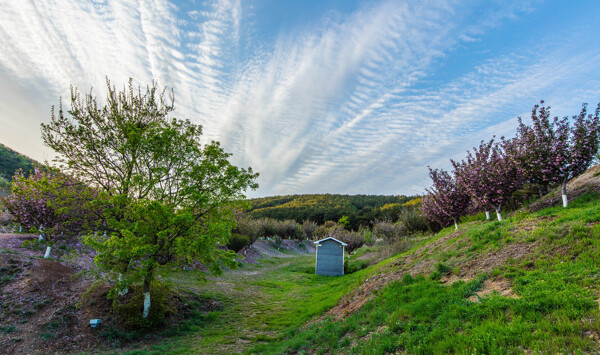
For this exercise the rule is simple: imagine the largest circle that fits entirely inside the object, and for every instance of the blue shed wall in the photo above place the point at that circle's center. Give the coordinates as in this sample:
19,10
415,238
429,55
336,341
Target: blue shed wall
330,258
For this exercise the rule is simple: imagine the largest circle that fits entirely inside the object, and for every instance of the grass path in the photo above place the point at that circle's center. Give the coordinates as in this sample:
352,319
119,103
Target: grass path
261,303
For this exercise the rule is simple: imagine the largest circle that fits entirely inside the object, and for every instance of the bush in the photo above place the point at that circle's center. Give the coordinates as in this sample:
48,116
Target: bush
130,310
309,227
388,231
353,240
249,227
412,220
5,218
367,235
237,242
354,266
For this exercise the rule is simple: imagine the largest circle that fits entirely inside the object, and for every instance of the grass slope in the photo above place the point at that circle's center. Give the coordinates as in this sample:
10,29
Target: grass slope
260,304
440,297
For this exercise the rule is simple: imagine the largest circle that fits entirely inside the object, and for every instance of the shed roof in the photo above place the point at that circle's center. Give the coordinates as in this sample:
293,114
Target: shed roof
332,238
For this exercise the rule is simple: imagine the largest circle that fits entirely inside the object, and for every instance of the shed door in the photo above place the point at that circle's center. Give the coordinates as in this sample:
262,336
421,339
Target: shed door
330,258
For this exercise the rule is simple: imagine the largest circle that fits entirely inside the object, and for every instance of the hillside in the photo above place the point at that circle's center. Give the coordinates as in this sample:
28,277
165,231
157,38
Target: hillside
528,284
11,161
361,209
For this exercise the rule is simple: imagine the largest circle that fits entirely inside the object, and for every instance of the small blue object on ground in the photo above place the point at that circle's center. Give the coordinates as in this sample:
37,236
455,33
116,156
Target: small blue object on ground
95,322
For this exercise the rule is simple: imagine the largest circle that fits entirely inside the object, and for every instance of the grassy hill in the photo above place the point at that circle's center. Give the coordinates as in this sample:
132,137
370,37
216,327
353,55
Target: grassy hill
11,161
361,209
528,284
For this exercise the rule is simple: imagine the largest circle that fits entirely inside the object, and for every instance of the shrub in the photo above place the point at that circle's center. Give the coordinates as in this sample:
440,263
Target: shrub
249,227
353,240
237,242
309,227
412,220
354,266
388,231
5,218
367,235
130,310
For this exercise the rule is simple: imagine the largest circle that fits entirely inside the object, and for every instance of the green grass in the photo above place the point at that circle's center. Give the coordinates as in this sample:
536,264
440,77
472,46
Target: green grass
260,304
265,307
556,310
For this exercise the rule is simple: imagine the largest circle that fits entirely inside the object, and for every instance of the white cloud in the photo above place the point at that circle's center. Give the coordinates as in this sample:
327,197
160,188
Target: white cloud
351,106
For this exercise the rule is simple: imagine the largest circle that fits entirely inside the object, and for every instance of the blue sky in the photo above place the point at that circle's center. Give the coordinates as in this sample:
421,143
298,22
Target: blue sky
318,96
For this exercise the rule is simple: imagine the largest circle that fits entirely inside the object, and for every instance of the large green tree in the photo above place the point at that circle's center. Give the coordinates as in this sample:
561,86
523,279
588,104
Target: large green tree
167,198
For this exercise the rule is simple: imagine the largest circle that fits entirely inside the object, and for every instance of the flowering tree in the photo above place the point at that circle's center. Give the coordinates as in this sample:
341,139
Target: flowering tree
540,148
553,151
56,204
432,213
579,146
504,175
170,197
473,176
448,196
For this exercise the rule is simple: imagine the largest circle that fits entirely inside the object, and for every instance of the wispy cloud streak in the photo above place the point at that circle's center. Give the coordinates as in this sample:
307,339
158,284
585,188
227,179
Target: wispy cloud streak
352,105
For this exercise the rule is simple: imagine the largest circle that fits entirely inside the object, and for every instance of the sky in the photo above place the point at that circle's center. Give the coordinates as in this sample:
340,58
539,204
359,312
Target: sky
318,96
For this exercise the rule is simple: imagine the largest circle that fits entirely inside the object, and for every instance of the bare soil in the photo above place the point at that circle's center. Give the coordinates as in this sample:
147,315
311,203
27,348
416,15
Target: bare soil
46,304
497,284
271,249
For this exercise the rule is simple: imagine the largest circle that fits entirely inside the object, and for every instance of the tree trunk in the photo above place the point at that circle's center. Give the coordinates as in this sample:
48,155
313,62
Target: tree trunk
48,249
455,223
125,290
146,298
499,214
487,215
41,234
564,193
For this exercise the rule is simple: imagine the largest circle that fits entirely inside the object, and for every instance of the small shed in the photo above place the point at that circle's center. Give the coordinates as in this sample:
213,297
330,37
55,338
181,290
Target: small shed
330,257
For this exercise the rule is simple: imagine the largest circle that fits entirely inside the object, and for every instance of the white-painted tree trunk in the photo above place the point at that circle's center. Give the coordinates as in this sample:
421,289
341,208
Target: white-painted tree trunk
487,215
125,290
41,235
48,249
146,304
499,215
455,223
564,194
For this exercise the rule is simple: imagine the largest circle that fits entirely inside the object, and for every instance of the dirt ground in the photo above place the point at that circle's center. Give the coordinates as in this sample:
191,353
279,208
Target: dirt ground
270,249
46,305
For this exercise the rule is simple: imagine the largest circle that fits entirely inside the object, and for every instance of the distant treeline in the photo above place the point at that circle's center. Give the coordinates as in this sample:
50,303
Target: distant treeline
319,208
11,161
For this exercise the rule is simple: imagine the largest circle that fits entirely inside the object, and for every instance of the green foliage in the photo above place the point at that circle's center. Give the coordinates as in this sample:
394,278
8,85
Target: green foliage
360,209
11,161
8,329
344,221
354,266
411,219
130,310
237,242
167,199
555,312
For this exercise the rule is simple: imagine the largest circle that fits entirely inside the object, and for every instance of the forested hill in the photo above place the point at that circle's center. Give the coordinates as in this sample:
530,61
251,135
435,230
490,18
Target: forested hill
361,209
10,161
